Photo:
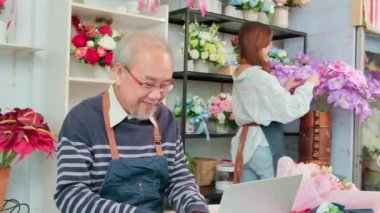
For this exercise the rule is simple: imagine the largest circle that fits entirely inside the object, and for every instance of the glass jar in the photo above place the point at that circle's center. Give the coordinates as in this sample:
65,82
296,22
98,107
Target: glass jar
224,176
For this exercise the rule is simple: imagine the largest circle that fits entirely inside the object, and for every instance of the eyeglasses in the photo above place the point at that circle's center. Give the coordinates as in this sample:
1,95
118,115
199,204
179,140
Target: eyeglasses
165,87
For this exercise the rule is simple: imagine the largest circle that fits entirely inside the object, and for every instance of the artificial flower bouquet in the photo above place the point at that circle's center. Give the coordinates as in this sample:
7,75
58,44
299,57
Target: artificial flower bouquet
2,5
220,110
277,55
341,85
22,131
316,183
196,113
205,45
94,42
265,6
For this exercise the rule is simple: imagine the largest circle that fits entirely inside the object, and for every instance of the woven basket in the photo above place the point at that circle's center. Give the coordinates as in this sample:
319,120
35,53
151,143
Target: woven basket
227,70
204,170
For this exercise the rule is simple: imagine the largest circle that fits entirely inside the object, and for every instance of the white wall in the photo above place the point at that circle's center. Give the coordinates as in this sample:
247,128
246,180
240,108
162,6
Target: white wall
330,37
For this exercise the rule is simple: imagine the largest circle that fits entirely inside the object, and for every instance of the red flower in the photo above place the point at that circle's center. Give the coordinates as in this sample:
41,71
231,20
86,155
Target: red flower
2,4
105,30
75,22
22,131
92,56
108,59
79,40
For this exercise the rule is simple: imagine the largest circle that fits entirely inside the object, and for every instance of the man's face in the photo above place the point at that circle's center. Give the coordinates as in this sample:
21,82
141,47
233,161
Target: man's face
141,87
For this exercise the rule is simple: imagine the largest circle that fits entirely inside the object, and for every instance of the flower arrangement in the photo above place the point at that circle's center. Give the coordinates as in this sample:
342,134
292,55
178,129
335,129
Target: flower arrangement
220,110
94,42
341,85
371,151
23,131
277,55
204,44
2,5
316,183
266,6
196,108
290,3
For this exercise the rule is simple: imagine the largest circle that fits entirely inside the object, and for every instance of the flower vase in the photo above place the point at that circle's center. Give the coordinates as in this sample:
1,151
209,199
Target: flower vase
190,126
221,128
263,18
3,32
211,126
103,73
201,66
315,138
280,17
250,15
4,179
233,12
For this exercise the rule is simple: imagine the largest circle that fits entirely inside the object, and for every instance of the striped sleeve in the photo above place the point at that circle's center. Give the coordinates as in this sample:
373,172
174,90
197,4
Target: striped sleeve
75,158
183,192
73,193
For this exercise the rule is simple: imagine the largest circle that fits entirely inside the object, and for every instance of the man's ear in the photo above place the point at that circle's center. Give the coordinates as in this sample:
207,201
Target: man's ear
118,72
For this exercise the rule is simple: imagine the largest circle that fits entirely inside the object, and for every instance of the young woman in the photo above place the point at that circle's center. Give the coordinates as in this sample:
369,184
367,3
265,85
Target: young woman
261,105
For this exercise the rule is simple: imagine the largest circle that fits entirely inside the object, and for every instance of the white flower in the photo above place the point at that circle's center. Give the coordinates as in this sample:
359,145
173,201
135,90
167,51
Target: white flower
205,35
221,118
198,109
90,44
323,208
213,57
202,42
115,34
194,54
204,55
282,54
107,43
222,96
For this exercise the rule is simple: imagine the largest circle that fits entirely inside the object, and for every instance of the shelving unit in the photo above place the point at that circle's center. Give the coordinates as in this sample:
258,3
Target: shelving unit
72,80
18,48
229,25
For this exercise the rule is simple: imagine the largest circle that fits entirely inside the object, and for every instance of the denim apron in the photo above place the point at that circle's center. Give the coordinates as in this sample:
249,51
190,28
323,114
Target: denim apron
274,135
140,182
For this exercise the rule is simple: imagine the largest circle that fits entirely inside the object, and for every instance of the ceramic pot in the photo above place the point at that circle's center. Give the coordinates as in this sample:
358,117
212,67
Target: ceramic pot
280,17
250,15
201,66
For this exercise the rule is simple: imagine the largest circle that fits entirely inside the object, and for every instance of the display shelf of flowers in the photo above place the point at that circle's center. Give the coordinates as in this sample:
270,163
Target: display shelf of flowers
251,9
341,85
22,131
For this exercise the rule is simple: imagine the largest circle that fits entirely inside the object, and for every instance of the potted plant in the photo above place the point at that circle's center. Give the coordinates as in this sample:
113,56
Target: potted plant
205,46
22,131
252,8
220,113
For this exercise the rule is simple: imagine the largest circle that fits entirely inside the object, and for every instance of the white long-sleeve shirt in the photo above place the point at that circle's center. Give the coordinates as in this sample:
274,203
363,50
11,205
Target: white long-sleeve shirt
257,96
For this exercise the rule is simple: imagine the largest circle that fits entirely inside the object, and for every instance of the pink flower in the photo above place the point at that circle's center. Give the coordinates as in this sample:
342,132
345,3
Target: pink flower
108,59
101,51
80,53
226,106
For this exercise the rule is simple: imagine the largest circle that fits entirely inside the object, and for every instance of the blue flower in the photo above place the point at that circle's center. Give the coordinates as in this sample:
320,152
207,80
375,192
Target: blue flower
253,3
235,2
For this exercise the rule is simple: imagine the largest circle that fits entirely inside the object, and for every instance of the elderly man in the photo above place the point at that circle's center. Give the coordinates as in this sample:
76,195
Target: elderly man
121,151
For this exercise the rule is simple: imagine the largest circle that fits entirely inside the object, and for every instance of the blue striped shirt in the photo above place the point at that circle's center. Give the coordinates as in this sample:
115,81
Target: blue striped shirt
84,154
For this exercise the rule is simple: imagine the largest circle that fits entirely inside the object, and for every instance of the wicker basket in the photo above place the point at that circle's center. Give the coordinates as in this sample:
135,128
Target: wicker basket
227,70
204,170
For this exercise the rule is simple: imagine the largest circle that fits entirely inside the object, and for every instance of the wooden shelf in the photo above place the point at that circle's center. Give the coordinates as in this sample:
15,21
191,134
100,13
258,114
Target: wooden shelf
18,47
126,19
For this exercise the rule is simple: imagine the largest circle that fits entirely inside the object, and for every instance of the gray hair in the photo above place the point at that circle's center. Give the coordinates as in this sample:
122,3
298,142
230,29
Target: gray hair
129,48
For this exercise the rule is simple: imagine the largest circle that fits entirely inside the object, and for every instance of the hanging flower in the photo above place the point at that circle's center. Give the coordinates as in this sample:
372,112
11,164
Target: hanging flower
22,131
94,42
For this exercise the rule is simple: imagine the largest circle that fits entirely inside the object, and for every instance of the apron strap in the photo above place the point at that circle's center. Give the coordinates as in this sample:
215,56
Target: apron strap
109,130
157,139
238,168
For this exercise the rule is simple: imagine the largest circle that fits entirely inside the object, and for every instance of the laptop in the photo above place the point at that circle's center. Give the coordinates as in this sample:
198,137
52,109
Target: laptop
274,195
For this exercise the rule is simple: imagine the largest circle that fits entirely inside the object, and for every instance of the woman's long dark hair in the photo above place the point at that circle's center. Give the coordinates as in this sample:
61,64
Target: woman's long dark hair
253,37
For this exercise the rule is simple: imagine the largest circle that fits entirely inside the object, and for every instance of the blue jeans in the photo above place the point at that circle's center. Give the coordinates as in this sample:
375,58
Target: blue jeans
260,166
